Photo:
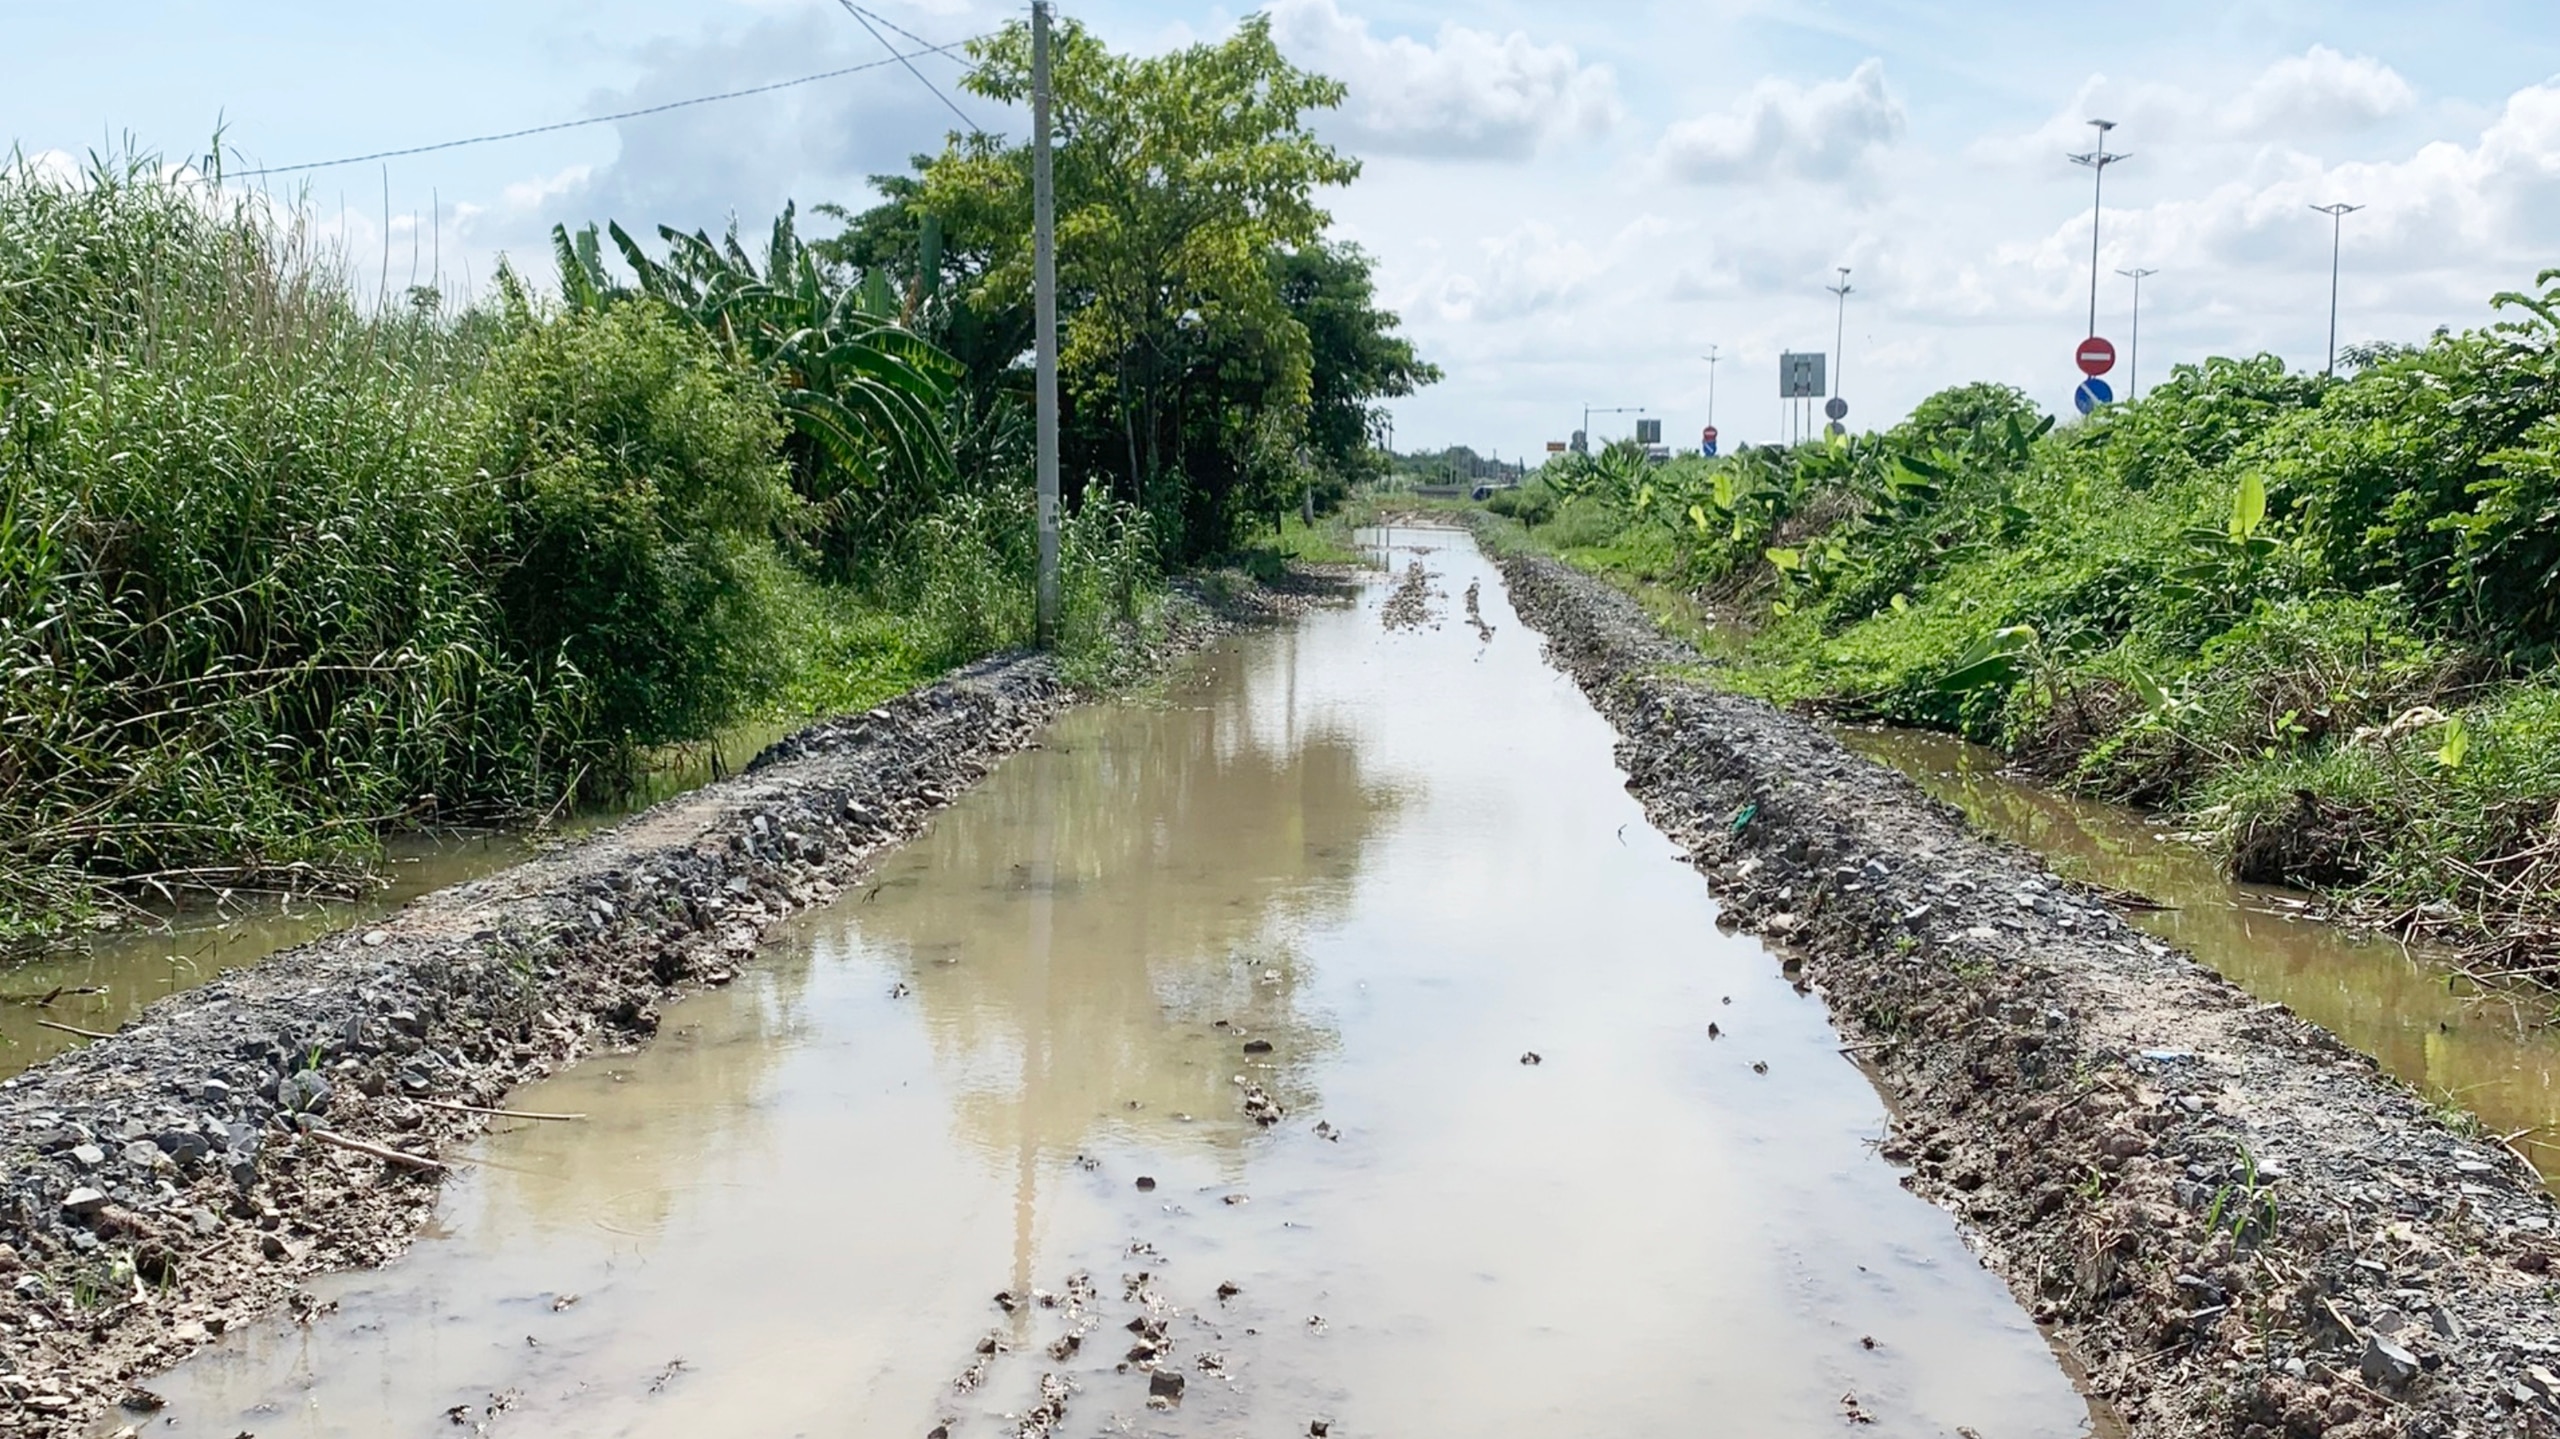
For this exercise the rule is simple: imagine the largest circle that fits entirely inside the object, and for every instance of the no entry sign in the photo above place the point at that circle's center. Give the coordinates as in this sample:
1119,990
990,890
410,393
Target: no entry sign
2096,356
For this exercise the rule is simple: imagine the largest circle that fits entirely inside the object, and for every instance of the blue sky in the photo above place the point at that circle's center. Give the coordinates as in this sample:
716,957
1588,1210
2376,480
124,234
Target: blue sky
1568,204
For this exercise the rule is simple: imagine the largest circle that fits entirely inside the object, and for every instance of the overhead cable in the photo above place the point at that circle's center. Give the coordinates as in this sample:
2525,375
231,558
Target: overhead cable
895,59
864,18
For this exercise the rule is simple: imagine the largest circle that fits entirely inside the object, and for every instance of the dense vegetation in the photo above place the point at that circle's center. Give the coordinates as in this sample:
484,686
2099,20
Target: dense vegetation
2317,617
280,569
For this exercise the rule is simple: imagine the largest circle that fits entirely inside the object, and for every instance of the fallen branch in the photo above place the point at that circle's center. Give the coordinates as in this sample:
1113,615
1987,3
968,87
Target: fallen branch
74,1029
501,1113
378,1151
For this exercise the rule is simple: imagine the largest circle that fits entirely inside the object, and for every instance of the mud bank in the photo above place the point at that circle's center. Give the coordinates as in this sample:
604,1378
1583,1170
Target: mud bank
2234,1224
185,1174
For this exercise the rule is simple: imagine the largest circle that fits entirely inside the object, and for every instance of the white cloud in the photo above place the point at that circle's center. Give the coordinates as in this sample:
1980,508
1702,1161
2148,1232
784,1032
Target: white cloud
1785,131
2318,91
1470,93
2296,101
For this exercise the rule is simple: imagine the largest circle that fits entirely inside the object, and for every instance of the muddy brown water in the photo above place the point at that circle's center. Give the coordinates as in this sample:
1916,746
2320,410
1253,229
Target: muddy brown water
106,980
2493,1054
1363,872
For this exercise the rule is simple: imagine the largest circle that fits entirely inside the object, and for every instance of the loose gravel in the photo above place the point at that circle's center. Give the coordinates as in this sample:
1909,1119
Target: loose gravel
2231,1223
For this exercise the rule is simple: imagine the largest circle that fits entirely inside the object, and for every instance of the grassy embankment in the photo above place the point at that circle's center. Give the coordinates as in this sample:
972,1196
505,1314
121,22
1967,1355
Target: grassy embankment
2315,620
279,570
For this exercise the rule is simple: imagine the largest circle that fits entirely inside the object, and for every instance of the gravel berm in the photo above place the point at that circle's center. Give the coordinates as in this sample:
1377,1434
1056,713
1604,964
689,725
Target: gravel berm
2230,1222
186,1174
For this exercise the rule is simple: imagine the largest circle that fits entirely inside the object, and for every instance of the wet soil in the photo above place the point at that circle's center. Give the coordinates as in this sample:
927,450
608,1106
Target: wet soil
2235,1223
1327,1047
186,1175
2491,1052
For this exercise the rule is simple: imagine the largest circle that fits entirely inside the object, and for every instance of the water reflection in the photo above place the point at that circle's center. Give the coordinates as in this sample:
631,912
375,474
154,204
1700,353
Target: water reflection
2491,1053
1095,937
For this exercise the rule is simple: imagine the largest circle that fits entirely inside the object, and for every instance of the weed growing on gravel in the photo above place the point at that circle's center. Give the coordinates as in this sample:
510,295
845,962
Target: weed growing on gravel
2245,1208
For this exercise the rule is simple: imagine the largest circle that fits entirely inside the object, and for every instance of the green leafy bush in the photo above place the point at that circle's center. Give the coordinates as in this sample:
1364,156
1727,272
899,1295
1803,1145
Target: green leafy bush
636,480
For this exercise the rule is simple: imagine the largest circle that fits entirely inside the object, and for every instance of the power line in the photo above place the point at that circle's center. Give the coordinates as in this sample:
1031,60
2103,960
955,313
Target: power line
895,59
863,18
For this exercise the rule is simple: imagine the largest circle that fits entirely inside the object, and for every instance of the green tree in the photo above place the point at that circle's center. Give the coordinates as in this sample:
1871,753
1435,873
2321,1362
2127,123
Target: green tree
1356,357
1179,178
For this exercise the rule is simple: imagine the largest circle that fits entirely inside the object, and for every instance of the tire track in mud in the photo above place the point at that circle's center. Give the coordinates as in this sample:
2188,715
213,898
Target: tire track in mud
2228,1222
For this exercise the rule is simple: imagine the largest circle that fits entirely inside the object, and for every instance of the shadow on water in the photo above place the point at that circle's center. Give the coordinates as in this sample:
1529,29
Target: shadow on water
2493,1054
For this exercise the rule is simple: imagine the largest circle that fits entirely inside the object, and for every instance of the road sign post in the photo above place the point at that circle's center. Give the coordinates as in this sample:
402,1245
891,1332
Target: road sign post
1707,442
2096,356
2092,393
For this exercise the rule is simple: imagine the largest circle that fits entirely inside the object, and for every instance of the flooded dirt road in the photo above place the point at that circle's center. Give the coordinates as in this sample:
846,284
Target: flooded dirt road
2492,1054
1329,1043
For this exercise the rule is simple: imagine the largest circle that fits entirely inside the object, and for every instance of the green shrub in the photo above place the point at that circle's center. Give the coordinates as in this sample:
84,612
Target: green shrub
637,482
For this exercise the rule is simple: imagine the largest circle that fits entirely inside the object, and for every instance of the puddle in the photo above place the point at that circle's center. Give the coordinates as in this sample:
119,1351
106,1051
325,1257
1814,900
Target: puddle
1362,872
2491,1053
110,978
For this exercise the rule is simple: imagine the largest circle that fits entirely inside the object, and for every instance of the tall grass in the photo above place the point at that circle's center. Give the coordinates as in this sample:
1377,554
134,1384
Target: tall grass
241,620
279,570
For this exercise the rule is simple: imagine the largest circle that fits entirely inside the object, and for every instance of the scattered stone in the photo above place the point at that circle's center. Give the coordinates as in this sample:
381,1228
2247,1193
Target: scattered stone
2386,1364
1166,1384
1532,1057
1257,1046
84,1202
1146,1183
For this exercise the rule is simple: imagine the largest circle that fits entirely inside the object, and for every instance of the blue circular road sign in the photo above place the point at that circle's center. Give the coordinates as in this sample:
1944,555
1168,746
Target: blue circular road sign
2092,393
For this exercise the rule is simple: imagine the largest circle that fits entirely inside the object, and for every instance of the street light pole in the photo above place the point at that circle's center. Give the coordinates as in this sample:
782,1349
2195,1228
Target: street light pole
1711,385
1840,330
2133,370
2097,160
2337,214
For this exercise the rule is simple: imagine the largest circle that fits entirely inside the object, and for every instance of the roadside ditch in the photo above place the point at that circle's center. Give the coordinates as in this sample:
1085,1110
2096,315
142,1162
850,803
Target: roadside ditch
2231,1223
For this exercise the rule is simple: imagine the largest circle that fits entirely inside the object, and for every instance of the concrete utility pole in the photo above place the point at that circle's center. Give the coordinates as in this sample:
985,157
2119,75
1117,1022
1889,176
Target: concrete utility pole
1839,329
2133,359
1044,287
2337,228
2097,160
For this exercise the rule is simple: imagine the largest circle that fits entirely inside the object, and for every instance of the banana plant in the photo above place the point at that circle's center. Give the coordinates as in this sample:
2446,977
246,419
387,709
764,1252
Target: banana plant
866,394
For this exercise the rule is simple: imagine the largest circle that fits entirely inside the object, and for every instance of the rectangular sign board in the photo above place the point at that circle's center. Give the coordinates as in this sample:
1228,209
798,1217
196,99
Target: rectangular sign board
1648,432
1800,375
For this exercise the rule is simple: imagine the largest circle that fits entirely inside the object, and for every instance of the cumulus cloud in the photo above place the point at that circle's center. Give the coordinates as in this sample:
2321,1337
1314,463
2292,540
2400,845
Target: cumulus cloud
2319,90
1782,130
1469,93
2297,100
